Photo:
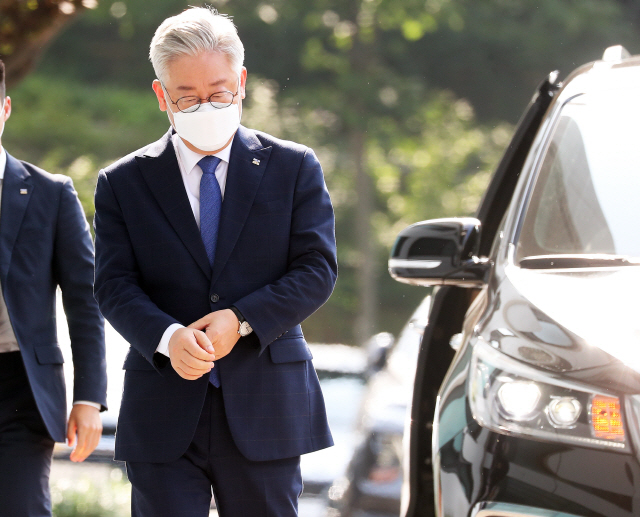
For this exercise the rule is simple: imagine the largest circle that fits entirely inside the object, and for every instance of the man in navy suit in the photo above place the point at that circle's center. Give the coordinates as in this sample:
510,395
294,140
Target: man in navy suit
212,245
44,243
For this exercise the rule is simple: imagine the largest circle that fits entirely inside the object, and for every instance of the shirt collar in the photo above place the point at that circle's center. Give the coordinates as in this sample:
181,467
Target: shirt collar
190,158
3,161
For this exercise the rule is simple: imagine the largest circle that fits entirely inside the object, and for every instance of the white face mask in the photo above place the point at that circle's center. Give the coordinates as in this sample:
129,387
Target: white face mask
207,129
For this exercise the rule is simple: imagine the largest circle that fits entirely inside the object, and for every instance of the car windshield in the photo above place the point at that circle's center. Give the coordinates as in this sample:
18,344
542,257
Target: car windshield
584,208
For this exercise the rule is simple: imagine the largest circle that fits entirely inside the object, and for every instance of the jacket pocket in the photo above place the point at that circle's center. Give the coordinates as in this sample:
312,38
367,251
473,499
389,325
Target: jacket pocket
51,354
135,361
290,347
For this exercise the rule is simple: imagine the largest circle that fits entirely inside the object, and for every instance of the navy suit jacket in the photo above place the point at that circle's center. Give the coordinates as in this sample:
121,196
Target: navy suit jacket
45,243
275,261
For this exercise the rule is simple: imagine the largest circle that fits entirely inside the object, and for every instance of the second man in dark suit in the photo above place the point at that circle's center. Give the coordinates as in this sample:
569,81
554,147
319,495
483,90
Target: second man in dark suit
44,243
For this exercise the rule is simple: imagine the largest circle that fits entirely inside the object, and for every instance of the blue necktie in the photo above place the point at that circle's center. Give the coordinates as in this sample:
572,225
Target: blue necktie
210,207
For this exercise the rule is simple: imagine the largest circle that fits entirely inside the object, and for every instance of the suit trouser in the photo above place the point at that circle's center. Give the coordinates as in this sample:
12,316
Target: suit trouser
25,445
242,488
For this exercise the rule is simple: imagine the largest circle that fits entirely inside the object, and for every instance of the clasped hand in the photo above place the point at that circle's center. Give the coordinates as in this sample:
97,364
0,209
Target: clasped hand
194,349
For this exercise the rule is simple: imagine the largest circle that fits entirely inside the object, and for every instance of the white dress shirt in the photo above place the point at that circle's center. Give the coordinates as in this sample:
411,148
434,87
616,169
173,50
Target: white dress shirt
3,161
191,175
8,341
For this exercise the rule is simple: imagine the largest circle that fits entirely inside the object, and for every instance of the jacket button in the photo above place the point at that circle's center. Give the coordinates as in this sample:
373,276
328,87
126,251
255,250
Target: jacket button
214,298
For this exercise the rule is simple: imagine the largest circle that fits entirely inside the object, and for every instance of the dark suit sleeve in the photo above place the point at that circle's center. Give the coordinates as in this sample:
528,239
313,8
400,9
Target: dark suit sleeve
117,289
73,270
312,265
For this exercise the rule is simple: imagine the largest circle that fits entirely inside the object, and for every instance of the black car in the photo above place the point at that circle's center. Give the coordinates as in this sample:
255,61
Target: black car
537,411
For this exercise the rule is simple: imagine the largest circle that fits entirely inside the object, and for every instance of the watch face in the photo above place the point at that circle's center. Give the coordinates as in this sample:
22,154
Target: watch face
245,329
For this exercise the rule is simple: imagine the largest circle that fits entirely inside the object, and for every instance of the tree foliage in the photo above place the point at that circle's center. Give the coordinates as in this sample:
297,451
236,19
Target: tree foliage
27,27
408,103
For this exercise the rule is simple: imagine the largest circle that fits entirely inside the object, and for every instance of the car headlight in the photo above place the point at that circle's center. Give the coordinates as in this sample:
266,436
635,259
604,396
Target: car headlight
510,397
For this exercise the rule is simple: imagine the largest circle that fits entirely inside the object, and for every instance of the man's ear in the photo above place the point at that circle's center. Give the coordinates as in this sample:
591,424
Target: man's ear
159,91
243,83
6,109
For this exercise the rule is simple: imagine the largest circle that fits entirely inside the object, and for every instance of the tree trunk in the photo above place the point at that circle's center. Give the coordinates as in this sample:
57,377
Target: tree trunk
26,28
367,291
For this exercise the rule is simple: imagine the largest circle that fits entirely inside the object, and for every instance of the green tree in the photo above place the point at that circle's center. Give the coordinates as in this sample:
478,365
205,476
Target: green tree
404,150
27,28
405,102
378,121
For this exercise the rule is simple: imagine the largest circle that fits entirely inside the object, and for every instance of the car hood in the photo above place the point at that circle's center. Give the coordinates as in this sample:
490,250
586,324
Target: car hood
570,320
600,306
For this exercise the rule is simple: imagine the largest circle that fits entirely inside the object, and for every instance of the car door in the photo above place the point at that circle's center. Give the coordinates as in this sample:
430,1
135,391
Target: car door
451,303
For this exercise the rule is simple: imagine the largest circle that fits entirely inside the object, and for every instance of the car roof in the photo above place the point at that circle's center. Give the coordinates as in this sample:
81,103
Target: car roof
616,71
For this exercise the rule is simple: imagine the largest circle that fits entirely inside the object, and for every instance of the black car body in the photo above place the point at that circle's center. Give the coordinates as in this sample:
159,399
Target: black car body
537,413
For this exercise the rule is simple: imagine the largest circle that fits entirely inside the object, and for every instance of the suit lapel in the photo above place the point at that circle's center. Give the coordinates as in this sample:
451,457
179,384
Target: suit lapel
160,170
247,164
17,189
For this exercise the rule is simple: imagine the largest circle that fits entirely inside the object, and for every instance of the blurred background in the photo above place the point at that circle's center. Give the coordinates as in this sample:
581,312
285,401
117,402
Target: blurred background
409,105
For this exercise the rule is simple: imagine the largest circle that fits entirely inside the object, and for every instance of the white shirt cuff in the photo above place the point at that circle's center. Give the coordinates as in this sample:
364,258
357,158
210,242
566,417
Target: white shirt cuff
163,347
87,403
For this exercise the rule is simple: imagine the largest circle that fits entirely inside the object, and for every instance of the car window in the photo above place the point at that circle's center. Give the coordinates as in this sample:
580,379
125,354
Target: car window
584,203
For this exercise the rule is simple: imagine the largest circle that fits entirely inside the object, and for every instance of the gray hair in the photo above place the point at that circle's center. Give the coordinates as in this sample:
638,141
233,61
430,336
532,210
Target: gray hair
196,30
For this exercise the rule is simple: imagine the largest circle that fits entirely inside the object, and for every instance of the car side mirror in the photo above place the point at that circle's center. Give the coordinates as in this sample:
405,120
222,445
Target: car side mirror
439,252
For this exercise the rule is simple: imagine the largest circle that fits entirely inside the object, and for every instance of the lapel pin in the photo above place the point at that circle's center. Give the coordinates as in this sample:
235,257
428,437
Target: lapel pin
256,161
23,191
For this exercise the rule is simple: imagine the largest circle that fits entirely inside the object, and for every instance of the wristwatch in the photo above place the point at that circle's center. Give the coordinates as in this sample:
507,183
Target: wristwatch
244,329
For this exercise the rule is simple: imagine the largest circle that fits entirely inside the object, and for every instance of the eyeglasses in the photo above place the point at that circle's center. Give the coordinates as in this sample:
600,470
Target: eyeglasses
192,103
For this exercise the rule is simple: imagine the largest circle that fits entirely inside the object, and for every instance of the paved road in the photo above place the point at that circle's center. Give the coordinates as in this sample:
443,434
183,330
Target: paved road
107,483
